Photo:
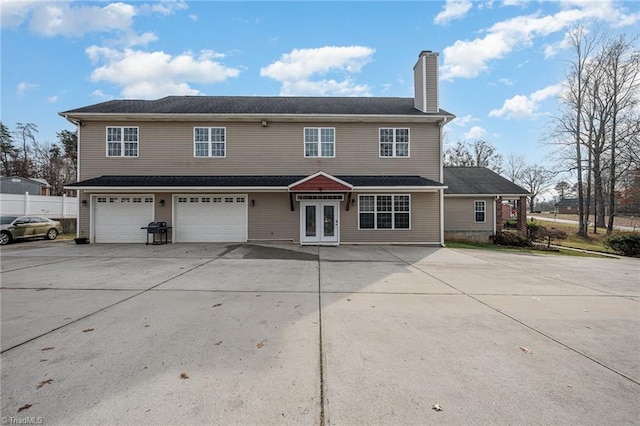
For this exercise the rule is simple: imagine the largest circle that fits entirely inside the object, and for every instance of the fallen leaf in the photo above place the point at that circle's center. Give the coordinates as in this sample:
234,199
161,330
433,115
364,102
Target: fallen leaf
348,300
217,304
297,306
260,344
24,407
218,343
86,330
436,407
146,325
184,376
44,382
526,350
43,360
47,349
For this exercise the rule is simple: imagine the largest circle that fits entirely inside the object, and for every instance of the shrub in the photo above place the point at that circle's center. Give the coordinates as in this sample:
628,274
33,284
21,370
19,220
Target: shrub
625,244
534,231
510,224
510,238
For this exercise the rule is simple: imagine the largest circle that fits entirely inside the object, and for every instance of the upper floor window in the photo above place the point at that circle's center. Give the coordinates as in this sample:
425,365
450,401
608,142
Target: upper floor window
319,142
209,142
122,141
480,209
384,212
394,142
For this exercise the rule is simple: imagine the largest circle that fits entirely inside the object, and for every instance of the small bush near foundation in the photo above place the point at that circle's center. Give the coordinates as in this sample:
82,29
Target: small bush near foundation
511,238
510,224
625,244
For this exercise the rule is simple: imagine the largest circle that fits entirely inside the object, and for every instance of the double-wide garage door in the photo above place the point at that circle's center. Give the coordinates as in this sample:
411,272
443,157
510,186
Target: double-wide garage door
210,218
118,219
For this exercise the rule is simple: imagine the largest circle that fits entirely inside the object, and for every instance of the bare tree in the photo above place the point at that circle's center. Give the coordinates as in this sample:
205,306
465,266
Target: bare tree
515,166
563,187
477,154
26,133
536,180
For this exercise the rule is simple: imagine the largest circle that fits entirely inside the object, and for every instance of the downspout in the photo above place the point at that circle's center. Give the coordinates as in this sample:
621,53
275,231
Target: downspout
441,125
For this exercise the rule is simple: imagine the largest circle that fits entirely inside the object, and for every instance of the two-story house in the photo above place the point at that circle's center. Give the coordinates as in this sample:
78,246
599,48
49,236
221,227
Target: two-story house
313,170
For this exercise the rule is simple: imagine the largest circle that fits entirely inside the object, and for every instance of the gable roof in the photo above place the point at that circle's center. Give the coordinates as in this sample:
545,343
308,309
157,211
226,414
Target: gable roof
478,181
258,105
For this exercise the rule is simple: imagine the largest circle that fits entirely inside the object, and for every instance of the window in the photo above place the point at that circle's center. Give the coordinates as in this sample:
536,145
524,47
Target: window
319,142
384,212
209,142
122,141
480,211
394,142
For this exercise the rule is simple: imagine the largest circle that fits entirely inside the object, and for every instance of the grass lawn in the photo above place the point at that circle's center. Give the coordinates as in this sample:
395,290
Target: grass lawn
594,242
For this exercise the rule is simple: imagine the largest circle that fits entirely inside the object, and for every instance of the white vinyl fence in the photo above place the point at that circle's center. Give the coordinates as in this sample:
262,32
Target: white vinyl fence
24,204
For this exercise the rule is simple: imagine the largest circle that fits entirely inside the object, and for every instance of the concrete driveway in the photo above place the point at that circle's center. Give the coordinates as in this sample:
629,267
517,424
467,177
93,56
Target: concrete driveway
283,334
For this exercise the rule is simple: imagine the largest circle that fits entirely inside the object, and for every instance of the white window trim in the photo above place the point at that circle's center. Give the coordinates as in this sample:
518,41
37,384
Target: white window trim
209,142
375,212
394,142
319,129
484,203
122,142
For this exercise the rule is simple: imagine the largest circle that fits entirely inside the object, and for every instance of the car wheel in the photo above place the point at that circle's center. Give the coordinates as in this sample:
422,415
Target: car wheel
52,234
5,238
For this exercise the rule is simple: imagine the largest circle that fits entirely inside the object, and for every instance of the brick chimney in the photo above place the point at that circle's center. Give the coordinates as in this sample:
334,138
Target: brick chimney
425,82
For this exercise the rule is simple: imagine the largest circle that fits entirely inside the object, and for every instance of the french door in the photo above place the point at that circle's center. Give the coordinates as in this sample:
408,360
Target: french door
319,223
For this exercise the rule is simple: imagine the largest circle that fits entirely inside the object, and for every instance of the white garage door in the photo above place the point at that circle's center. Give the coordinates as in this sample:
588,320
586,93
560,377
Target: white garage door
210,218
118,219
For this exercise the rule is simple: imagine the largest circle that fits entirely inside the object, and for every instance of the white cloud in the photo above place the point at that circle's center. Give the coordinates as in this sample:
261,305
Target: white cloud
193,17
63,18
100,94
465,120
52,99
506,81
521,106
467,59
142,74
453,9
476,132
23,86
75,19
296,70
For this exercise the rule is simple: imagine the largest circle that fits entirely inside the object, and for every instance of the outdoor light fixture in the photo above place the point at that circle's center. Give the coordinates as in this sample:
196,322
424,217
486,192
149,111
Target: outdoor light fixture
84,202
253,203
264,123
162,202
353,201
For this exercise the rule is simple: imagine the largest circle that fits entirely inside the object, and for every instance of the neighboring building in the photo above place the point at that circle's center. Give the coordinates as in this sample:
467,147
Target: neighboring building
20,185
475,200
567,206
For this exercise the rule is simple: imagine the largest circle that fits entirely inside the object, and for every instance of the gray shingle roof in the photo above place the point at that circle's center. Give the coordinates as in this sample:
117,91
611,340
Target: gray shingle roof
478,180
243,181
257,105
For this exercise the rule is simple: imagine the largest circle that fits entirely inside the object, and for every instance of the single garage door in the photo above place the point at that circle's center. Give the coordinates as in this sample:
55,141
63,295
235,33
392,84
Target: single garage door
118,219
210,218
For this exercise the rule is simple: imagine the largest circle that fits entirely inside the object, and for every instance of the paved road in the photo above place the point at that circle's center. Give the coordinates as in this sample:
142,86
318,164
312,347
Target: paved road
283,334
575,222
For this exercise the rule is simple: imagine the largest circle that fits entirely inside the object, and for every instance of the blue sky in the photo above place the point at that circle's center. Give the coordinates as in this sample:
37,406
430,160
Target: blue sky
501,62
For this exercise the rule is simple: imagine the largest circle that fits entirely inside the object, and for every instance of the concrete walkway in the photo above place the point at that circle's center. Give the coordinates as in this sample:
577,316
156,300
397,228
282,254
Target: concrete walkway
283,334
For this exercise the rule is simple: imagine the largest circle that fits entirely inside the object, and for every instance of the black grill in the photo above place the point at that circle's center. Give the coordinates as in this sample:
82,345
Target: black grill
157,228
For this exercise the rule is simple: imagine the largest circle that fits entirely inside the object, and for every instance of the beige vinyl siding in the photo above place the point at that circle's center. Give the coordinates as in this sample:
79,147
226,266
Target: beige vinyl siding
271,217
166,148
459,214
425,223
432,83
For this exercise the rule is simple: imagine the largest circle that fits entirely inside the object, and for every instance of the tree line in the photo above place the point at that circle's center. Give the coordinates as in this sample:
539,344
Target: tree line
21,154
598,129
